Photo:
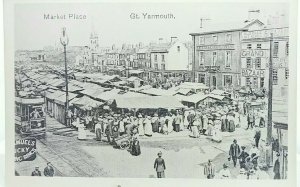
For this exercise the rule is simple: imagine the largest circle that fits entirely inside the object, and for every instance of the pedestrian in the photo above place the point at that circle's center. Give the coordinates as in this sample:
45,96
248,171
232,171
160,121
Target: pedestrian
231,125
170,123
254,154
276,168
160,166
121,126
210,126
242,157
36,172
148,126
98,130
141,125
234,152
49,171
177,122
205,123
223,122
136,149
154,123
224,173
250,119
194,128
257,136
209,170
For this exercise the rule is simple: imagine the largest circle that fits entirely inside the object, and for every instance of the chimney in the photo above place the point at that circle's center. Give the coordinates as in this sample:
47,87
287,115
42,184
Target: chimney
253,15
160,40
173,39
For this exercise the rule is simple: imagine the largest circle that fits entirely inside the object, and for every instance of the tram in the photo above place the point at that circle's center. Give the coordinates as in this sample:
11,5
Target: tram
30,118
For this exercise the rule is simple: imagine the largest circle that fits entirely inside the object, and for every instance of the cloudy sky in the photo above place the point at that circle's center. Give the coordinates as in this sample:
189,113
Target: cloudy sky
113,23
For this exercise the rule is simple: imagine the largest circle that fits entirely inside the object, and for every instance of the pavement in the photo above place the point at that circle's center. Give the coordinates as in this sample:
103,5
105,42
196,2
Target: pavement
91,158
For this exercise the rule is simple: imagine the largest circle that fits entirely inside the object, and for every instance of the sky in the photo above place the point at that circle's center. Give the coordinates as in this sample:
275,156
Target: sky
112,22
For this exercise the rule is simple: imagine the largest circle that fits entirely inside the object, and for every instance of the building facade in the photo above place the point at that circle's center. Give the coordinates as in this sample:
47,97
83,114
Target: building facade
216,56
255,58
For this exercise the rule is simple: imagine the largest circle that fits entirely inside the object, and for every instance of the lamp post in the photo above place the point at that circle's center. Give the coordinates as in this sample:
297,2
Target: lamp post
64,40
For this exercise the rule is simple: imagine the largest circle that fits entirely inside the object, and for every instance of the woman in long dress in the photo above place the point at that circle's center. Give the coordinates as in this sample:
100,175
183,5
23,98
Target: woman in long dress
170,124
205,123
194,128
155,122
141,125
148,126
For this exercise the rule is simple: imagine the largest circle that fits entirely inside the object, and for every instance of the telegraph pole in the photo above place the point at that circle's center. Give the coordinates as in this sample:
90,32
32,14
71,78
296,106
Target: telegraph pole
64,40
270,93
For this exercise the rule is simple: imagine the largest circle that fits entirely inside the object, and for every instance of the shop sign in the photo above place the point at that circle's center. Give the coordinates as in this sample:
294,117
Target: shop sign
254,53
278,62
215,47
25,149
253,73
266,33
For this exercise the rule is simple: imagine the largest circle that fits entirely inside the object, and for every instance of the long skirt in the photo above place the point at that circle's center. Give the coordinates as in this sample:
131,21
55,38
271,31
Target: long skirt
141,129
195,132
98,134
161,174
170,126
136,149
148,129
155,126
231,126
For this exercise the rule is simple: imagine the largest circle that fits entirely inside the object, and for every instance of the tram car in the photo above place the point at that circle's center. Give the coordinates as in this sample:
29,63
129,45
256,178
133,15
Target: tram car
30,118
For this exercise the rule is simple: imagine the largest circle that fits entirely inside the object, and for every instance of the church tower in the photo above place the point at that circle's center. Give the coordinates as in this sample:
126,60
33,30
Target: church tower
94,42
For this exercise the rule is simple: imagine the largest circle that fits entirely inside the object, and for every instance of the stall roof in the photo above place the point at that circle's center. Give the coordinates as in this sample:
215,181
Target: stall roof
193,85
168,102
62,98
108,95
195,98
54,94
183,91
135,71
58,82
219,92
86,103
157,92
133,78
217,97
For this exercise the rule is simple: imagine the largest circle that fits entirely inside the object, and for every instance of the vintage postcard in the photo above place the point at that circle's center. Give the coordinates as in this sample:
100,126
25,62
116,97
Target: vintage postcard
150,93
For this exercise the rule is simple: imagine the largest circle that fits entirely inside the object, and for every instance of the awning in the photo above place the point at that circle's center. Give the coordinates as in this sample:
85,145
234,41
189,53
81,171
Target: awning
62,98
135,71
108,95
194,98
166,102
30,101
157,92
86,103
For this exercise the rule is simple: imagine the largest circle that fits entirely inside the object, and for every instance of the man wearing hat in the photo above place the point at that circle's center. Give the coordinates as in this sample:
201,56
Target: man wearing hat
159,166
234,152
209,170
36,172
49,171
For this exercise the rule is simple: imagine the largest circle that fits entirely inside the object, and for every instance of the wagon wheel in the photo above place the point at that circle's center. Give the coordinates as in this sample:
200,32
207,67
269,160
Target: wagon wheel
124,144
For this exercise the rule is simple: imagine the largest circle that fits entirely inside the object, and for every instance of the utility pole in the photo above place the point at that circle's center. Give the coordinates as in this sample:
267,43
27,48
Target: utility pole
194,60
64,40
270,93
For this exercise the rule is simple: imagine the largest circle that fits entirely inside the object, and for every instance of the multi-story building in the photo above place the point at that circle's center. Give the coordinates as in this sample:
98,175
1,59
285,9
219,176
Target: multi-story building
216,55
255,57
143,58
169,59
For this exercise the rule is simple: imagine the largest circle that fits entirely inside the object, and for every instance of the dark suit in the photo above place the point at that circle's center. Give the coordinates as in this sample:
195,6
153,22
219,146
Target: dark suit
234,152
160,167
36,173
276,169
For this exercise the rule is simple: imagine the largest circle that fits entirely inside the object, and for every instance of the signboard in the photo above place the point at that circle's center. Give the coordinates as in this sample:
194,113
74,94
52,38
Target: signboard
253,73
215,47
278,62
254,53
25,149
278,32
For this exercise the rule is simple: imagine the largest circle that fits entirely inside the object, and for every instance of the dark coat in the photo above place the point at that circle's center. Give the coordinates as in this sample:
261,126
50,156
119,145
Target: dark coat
36,173
234,150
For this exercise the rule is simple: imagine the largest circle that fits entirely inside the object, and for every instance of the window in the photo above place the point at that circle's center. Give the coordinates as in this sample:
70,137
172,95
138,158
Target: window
227,80
275,77
248,81
275,50
163,67
287,48
248,63
228,38
201,58
201,40
155,58
178,48
214,60
255,82
258,46
201,78
162,58
262,82
257,63
215,39
228,59
156,66
287,73
249,46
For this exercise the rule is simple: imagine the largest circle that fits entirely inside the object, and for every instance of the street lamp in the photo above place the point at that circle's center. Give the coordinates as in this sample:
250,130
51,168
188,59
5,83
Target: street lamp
64,40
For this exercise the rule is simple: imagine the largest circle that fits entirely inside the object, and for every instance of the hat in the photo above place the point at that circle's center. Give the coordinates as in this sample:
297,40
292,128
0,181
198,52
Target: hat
234,140
209,160
159,153
225,166
140,116
243,147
